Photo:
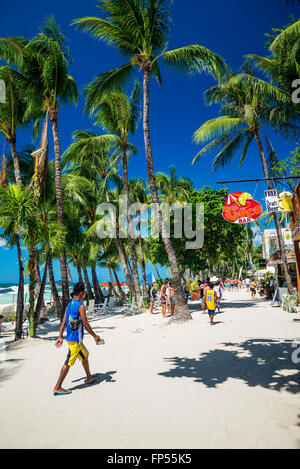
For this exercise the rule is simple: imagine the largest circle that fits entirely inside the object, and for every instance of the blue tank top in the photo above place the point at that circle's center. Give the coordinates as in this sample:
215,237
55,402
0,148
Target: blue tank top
74,324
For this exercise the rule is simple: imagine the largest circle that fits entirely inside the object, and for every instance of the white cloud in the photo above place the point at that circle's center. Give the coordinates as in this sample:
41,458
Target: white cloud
2,243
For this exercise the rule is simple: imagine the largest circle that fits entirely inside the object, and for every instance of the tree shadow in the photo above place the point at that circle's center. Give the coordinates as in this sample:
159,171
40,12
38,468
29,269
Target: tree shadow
104,377
257,362
11,370
237,305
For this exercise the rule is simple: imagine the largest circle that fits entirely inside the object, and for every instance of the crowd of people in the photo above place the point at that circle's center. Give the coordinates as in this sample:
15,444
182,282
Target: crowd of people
209,292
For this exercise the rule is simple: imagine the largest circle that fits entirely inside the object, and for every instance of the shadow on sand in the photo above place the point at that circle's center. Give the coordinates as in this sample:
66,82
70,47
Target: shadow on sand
8,369
104,377
257,362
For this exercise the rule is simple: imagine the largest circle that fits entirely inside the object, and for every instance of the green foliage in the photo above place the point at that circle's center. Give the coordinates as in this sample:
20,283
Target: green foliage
11,317
221,239
289,166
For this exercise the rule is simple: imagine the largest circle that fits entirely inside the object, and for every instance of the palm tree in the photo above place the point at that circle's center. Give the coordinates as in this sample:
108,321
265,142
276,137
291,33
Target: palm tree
172,189
12,50
95,159
119,115
139,29
46,70
247,105
282,65
12,112
17,213
139,195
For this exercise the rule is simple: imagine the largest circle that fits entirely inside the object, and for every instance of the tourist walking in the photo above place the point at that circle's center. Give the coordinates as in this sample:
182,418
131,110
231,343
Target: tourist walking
152,297
218,292
211,301
171,298
253,286
163,297
75,321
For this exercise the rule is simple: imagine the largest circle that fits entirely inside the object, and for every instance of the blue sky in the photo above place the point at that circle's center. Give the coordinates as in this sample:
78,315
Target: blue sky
233,29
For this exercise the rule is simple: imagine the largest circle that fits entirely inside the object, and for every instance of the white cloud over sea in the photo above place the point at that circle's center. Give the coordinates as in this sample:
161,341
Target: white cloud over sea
2,243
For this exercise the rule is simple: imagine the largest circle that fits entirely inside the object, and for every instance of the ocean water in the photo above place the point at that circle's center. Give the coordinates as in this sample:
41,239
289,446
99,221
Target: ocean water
9,292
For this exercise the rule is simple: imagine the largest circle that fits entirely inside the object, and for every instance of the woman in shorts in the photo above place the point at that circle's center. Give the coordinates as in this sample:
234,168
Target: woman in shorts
171,298
152,297
253,289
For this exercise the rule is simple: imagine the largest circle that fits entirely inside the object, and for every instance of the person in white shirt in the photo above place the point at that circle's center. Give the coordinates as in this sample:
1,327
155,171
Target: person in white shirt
218,291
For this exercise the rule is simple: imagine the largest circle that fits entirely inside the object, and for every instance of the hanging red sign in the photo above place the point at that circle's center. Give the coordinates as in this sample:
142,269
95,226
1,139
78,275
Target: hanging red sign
241,208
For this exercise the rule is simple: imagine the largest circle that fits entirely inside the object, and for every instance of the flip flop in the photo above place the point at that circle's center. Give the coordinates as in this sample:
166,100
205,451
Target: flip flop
62,393
96,379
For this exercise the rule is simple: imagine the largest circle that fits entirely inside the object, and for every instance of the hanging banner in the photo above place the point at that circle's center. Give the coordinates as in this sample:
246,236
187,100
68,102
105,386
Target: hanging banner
272,202
241,208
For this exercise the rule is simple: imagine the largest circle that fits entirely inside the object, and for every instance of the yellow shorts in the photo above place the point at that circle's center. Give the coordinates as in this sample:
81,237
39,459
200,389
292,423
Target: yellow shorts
76,350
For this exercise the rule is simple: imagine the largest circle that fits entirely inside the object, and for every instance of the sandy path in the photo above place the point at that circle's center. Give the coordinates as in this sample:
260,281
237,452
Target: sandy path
233,385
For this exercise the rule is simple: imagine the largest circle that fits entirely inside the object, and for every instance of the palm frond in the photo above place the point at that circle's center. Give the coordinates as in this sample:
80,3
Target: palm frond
196,59
107,81
216,127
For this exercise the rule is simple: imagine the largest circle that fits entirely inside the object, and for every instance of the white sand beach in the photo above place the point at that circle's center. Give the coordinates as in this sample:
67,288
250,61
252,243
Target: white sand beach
233,385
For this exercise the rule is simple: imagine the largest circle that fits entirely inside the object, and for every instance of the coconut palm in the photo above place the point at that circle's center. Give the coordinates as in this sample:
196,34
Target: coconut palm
172,189
49,85
139,195
12,112
119,114
248,104
17,213
95,159
282,65
139,30
12,50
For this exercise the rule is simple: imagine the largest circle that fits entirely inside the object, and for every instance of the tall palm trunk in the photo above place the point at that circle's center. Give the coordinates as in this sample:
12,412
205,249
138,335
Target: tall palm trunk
12,143
276,218
181,308
87,282
129,216
40,301
20,299
38,286
249,242
59,201
143,264
56,302
112,281
78,267
156,270
130,268
122,256
118,283
97,290
32,281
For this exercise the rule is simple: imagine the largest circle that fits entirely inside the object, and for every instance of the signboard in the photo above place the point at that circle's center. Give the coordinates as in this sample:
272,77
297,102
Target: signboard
271,198
241,208
262,263
288,240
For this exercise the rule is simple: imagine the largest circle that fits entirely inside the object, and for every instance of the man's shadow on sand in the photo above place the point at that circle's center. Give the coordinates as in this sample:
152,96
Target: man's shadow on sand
104,377
257,362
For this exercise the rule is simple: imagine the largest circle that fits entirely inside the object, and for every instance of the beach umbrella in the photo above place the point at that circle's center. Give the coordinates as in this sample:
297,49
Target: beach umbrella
104,284
151,278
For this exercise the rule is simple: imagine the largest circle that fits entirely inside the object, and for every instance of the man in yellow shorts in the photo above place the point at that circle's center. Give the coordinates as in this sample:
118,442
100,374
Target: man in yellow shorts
76,321
211,301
